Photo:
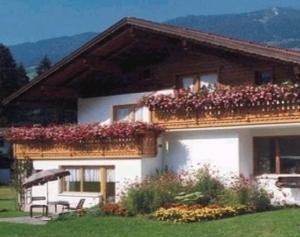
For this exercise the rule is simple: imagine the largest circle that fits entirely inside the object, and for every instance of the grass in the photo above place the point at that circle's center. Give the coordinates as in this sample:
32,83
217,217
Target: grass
280,223
8,202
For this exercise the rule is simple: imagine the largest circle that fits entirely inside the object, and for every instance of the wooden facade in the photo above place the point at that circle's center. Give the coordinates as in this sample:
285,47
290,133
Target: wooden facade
143,146
286,112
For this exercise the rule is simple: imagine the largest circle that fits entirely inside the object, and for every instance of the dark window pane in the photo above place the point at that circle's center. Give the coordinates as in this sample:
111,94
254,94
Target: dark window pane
91,187
74,187
289,155
263,78
110,185
265,155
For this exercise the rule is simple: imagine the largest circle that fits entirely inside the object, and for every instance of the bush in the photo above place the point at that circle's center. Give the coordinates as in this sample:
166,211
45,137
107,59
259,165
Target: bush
246,192
94,211
114,209
260,200
208,184
152,193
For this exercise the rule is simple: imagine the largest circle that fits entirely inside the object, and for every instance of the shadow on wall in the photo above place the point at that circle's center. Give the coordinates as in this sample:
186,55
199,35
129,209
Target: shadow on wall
176,155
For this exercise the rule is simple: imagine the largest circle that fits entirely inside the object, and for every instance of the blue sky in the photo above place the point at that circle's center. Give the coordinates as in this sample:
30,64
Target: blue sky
32,20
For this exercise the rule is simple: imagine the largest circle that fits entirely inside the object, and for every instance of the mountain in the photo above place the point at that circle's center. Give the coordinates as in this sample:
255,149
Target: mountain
56,48
275,26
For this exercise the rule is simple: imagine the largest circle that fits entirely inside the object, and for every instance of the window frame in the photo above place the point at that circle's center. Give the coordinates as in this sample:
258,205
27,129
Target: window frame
277,157
132,110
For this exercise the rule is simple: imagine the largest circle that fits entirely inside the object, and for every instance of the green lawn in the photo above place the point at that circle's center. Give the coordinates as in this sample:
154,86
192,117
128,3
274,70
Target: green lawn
285,223
7,201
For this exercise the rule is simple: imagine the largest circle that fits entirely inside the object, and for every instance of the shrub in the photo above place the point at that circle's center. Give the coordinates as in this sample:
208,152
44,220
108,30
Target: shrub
208,184
114,209
260,200
94,211
152,193
195,213
246,192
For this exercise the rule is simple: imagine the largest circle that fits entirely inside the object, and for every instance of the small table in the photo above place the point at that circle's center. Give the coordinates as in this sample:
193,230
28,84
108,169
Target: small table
44,208
62,203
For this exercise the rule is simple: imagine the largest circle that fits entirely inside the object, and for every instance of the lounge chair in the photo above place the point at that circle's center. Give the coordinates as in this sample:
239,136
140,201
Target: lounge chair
78,206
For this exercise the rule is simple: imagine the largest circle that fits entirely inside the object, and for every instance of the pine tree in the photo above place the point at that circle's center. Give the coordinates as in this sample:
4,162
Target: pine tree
11,78
23,79
44,65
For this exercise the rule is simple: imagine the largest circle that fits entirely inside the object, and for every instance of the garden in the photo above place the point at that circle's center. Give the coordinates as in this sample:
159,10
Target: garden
162,205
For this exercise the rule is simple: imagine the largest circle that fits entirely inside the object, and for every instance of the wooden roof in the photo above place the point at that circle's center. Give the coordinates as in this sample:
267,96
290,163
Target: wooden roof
208,39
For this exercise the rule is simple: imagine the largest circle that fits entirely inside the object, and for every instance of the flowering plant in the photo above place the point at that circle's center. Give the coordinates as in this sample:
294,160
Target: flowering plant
197,213
222,98
81,132
114,209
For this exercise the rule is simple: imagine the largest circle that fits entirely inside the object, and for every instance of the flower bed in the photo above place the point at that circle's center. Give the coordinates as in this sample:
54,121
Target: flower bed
79,133
224,99
196,213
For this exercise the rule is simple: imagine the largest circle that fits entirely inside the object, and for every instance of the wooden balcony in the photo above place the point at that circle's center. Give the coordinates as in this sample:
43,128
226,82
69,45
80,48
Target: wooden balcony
283,112
143,146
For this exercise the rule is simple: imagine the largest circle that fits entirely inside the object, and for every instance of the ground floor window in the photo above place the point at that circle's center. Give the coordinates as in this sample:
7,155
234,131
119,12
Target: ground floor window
280,155
96,179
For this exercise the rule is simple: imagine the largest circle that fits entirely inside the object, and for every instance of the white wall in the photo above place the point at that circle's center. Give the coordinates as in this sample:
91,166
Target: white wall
191,149
153,164
98,109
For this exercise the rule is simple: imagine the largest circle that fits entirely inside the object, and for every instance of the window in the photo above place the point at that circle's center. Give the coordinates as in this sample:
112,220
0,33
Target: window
194,82
208,79
91,179
263,77
277,155
189,82
124,113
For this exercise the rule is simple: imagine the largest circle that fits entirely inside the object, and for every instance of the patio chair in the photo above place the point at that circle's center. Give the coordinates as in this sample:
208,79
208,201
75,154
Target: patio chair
78,206
44,207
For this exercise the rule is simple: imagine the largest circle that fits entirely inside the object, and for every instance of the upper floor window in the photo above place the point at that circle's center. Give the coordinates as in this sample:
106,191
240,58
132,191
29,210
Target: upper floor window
188,82
124,113
208,79
195,82
263,77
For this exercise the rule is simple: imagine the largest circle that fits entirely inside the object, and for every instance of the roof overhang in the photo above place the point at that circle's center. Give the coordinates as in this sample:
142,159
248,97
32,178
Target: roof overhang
207,39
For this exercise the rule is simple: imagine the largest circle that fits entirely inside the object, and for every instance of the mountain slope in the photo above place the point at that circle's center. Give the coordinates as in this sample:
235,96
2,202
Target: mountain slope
275,26
56,48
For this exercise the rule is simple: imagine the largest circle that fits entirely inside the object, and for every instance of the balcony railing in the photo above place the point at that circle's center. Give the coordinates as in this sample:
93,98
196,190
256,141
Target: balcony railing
144,145
287,111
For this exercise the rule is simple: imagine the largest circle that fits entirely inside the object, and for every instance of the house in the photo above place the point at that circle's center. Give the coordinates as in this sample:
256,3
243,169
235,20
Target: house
108,76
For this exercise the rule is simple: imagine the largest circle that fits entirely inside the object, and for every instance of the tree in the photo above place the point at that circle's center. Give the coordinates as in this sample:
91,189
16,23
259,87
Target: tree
23,79
11,77
44,65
